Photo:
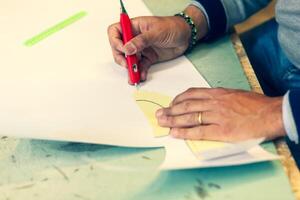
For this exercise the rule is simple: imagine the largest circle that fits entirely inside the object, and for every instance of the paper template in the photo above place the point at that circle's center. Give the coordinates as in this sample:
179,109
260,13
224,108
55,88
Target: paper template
149,103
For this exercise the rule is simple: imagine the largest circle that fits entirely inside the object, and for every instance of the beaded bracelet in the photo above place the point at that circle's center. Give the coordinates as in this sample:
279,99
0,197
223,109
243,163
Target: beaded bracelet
190,22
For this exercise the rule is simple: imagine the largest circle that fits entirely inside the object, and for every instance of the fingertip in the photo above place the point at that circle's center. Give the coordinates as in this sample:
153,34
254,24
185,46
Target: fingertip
159,113
143,76
120,60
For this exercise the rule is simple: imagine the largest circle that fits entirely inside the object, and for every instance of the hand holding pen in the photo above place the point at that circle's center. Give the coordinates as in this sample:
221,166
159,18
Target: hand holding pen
157,39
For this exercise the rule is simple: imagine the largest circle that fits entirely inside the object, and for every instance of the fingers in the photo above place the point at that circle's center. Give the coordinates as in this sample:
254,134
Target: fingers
188,106
149,57
145,64
198,93
187,120
139,43
115,36
209,132
116,43
119,59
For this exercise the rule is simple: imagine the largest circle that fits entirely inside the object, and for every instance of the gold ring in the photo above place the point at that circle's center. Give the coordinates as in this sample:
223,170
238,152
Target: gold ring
200,118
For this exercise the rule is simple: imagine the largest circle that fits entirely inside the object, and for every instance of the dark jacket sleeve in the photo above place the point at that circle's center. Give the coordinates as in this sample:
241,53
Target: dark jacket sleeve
216,16
223,14
295,106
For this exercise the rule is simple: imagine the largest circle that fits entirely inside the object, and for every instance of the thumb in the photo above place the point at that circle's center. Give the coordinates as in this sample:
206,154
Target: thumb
139,43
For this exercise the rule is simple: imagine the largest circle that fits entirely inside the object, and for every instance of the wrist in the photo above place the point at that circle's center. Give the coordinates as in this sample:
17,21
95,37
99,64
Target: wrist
276,116
199,19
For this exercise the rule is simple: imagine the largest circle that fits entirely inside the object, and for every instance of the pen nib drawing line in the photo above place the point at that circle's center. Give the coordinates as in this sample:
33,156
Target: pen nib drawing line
54,29
149,101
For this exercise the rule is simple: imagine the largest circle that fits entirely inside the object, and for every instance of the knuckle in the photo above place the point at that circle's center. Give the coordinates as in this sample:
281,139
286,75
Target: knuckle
114,25
226,130
217,105
221,105
191,90
110,28
214,102
192,119
140,41
219,91
222,115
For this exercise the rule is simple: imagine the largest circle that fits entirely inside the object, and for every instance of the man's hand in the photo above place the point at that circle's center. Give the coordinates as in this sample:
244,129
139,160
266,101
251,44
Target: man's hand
227,115
157,39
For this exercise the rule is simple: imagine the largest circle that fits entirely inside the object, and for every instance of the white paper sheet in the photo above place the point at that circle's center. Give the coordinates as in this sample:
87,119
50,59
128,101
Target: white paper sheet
179,156
68,88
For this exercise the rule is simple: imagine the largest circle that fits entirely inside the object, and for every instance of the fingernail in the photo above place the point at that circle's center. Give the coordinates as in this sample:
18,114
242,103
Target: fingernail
159,113
130,49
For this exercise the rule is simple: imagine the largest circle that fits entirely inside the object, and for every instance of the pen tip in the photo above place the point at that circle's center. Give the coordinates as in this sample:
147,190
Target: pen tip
123,10
137,86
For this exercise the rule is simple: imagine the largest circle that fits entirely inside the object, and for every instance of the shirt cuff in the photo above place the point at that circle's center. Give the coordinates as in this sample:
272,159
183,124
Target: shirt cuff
200,7
288,119
215,14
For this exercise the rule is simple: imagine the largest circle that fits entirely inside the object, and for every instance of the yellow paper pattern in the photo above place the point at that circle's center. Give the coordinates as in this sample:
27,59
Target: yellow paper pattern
200,146
150,102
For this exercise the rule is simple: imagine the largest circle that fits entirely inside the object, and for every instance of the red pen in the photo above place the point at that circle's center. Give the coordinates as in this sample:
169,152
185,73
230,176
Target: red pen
132,61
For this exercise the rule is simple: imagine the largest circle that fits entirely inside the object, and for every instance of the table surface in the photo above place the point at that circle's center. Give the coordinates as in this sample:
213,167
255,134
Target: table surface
287,159
35,169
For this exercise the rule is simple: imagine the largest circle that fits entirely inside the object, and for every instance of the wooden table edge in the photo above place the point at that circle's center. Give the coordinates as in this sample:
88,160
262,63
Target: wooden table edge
287,159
